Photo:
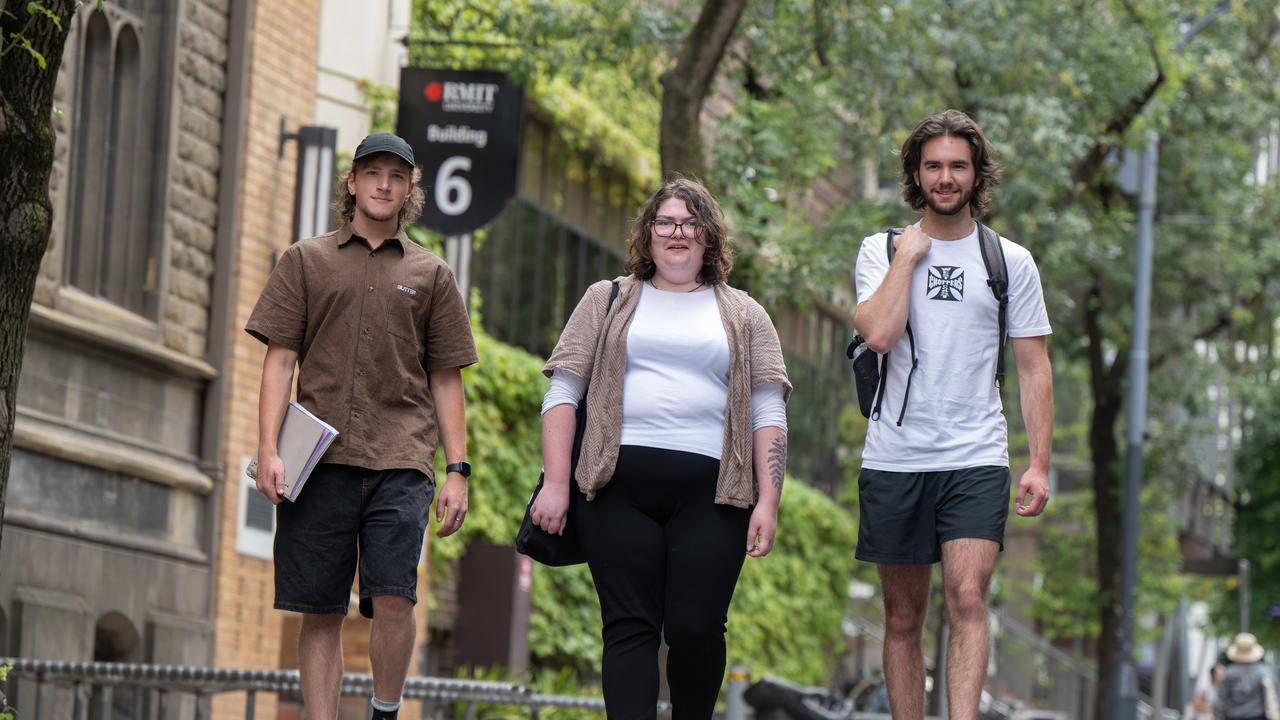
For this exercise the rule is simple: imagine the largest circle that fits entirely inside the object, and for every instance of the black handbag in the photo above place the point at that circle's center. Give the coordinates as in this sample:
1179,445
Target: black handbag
542,546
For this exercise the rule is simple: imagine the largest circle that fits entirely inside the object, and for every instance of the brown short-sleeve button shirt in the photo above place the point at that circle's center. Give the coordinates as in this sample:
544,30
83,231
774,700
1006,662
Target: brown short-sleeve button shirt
367,325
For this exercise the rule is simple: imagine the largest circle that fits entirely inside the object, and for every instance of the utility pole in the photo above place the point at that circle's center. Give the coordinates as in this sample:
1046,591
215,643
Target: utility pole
1243,591
1124,693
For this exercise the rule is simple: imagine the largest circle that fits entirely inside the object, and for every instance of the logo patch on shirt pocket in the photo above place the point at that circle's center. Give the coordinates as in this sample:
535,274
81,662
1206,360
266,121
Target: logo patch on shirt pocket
404,310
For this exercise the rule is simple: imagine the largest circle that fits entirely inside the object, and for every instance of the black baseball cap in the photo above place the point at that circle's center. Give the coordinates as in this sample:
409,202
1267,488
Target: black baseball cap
385,142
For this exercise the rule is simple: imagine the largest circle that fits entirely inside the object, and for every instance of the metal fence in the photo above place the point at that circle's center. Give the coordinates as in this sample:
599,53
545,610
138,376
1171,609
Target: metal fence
813,421
1027,676
1029,672
1030,679
58,690
532,268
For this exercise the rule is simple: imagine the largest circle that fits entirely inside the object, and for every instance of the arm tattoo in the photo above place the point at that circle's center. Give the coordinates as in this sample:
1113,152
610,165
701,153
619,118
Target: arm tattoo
778,462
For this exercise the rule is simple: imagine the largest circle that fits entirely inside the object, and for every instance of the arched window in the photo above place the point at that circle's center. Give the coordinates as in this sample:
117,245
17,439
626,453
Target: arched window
117,172
115,639
85,249
124,265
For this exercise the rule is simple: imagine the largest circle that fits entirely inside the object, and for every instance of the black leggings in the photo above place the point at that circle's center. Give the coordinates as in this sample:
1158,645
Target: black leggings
664,558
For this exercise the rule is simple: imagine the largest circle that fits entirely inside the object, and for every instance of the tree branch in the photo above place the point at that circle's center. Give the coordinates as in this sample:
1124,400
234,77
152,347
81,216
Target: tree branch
685,86
1223,322
1086,170
820,34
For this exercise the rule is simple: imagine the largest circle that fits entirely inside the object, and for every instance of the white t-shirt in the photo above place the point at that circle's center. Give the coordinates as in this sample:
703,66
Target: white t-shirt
677,380
954,416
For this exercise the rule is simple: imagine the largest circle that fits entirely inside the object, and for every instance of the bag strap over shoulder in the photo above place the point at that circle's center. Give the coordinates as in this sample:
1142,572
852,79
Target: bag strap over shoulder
998,281
613,295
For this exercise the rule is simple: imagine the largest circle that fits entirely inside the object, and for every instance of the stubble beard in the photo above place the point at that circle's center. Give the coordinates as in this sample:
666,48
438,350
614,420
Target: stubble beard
949,211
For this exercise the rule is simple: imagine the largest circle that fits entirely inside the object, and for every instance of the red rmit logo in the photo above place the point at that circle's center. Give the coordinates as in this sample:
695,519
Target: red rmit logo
433,91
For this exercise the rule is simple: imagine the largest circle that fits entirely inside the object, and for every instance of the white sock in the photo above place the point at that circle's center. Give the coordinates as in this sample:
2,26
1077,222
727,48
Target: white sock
386,705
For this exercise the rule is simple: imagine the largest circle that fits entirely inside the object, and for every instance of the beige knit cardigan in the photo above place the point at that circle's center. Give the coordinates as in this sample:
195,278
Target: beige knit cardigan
755,358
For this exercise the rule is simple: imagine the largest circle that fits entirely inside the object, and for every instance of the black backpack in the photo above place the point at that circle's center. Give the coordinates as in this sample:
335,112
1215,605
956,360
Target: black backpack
869,376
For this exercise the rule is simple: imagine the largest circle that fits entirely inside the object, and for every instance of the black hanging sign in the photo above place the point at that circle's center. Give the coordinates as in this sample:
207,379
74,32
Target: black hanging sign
464,127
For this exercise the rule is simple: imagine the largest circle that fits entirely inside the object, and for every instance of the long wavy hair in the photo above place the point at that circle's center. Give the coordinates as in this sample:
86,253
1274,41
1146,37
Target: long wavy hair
951,123
717,260
345,203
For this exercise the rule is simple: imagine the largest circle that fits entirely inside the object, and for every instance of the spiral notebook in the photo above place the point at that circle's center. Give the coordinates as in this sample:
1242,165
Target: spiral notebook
302,441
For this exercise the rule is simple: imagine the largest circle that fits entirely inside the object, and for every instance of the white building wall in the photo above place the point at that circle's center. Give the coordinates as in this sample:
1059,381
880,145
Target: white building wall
358,41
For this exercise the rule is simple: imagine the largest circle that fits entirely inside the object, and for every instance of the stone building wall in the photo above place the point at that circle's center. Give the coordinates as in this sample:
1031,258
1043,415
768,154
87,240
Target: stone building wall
107,551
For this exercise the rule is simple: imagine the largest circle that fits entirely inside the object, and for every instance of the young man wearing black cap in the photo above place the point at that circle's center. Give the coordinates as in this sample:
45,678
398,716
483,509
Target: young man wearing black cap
380,333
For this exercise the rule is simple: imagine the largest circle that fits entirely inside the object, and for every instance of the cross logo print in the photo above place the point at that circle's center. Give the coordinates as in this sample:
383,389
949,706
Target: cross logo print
946,282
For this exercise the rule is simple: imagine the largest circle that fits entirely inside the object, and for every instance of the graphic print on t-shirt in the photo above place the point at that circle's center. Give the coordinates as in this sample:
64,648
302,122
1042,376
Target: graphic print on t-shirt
946,282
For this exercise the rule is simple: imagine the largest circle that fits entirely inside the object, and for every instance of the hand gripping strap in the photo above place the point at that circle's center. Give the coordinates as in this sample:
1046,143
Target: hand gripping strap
890,250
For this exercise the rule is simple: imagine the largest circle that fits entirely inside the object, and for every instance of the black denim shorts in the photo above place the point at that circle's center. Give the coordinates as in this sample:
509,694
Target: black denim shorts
347,514
905,517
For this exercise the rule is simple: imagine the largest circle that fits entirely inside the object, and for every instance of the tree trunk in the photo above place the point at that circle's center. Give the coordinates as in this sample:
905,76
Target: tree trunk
26,159
1107,498
685,86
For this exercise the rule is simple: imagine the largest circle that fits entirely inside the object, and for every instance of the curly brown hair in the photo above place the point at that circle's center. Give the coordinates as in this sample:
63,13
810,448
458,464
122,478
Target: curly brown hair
345,203
717,261
951,123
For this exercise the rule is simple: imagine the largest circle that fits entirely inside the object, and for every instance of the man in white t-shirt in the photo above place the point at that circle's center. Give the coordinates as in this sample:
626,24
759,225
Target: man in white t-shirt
935,476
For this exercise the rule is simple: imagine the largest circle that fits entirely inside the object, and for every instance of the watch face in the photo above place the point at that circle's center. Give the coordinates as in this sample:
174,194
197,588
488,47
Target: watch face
463,468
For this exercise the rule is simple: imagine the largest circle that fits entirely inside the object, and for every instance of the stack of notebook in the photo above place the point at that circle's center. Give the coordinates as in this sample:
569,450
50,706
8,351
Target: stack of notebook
302,441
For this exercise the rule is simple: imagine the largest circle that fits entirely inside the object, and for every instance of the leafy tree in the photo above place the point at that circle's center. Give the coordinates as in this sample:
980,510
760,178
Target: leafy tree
32,36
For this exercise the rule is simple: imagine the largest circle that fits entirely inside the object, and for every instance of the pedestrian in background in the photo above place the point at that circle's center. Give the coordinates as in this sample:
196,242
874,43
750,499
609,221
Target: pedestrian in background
935,474
1246,691
1204,698
683,455
379,333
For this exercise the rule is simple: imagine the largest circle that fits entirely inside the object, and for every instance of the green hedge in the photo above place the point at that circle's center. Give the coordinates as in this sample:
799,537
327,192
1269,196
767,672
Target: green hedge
787,611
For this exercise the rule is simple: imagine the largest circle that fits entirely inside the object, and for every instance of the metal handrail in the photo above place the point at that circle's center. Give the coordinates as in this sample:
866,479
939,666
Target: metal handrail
205,681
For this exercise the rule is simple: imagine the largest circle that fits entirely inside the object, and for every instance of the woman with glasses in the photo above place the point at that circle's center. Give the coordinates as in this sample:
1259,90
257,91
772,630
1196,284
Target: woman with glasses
683,455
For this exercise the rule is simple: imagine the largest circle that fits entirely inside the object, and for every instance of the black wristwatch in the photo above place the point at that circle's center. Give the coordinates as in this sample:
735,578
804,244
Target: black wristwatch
461,467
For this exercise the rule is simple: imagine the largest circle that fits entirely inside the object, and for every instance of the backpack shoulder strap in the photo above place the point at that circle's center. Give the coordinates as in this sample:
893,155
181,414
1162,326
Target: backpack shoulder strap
998,281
